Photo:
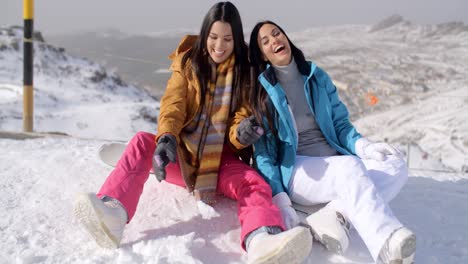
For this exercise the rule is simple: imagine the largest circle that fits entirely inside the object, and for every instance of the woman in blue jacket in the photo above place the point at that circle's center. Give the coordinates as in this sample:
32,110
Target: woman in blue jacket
309,152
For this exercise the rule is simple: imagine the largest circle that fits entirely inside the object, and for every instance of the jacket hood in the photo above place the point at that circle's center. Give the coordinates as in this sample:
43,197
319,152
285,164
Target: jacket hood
184,46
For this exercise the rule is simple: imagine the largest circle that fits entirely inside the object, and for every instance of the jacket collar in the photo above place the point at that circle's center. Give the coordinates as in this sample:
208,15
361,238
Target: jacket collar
305,68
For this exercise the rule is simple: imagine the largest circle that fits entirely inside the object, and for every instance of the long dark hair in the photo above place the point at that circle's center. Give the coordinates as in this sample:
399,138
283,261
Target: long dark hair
228,13
258,97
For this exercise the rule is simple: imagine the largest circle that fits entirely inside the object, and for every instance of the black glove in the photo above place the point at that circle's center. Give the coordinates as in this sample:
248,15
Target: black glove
166,150
249,131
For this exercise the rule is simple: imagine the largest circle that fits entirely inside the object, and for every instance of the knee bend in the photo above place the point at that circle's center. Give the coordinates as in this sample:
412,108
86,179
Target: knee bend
399,170
254,181
350,169
352,164
143,136
402,168
240,177
402,174
141,145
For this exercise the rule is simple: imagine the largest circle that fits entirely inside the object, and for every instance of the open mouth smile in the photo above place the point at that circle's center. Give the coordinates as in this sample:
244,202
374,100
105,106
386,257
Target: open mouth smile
279,48
218,52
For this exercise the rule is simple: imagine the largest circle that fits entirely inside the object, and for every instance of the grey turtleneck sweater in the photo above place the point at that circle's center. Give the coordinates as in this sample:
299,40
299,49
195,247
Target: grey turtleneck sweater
311,139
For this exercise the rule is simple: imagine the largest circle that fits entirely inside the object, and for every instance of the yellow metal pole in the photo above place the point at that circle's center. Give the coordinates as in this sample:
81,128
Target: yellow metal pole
28,88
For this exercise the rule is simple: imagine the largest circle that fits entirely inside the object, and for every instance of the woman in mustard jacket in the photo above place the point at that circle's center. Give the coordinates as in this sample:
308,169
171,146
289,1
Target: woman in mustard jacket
210,73
309,152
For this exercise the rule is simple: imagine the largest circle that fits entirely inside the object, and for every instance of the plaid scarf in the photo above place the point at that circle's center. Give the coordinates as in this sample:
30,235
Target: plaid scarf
206,141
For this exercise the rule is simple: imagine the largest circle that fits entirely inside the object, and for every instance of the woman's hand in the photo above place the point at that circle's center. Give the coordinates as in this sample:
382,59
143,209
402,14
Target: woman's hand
366,149
166,150
249,131
288,213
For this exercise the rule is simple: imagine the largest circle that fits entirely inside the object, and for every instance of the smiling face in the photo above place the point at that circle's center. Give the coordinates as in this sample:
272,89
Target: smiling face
274,45
220,42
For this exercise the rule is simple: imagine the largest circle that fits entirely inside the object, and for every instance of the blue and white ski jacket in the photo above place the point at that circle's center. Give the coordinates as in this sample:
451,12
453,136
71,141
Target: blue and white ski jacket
275,159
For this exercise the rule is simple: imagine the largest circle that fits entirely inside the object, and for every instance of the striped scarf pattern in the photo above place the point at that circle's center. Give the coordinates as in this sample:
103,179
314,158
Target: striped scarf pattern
209,131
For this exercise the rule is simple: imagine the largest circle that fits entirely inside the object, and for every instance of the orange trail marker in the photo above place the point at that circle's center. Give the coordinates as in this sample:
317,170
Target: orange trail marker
371,99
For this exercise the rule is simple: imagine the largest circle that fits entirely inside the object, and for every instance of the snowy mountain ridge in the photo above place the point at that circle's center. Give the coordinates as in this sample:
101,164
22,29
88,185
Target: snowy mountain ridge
399,63
402,82
396,24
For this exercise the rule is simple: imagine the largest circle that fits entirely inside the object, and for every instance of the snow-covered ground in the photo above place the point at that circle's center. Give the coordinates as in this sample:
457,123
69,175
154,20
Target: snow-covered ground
40,177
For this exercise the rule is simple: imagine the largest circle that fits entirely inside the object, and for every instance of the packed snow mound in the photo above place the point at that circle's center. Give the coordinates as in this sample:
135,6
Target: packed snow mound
63,84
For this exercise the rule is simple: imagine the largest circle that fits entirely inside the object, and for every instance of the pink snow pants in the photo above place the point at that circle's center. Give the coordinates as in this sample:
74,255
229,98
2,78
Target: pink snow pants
236,180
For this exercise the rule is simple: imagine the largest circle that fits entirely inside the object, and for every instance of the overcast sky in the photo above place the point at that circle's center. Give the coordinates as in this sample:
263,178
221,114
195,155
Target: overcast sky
137,16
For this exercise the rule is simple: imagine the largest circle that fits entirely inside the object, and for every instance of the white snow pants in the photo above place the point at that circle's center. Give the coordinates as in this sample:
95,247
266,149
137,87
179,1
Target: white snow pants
360,189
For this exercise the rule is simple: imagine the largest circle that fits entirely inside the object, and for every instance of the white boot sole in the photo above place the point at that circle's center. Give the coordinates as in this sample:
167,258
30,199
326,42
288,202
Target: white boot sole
407,252
292,251
326,236
90,218
330,243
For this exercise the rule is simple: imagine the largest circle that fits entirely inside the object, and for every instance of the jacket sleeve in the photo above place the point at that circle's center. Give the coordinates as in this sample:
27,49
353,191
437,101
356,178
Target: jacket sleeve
266,161
345,131
239,115
172,111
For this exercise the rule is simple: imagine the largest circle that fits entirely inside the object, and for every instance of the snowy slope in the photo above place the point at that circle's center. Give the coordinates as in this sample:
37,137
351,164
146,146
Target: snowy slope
397,61
68,92
437,123
421,68
40,177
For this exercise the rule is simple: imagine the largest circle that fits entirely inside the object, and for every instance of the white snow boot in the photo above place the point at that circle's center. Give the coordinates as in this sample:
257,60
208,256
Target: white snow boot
291,246
399,248
105,221
330,228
